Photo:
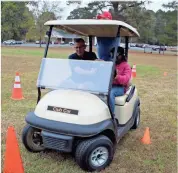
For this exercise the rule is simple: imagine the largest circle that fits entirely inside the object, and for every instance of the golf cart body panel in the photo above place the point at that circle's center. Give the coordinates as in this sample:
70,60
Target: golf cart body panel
87,27
70,106
122,107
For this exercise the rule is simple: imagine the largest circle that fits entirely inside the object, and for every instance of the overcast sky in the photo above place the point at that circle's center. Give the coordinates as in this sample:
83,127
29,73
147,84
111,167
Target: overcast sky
155,5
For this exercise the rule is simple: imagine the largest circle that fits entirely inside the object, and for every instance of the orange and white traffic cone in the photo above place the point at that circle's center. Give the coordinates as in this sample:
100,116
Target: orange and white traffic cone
17,90
134,71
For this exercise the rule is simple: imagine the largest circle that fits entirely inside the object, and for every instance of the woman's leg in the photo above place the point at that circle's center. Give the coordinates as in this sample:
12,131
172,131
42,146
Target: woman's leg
115,91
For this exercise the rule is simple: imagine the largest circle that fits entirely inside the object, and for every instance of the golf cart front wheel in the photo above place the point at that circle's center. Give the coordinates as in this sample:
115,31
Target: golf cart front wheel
137,118
95,154
31,138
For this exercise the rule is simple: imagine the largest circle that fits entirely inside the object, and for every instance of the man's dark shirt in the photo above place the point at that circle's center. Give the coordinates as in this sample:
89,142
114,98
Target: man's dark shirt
87,56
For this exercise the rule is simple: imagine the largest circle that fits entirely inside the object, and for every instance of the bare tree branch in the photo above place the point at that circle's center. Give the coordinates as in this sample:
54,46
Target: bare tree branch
131,5
100,8
171,5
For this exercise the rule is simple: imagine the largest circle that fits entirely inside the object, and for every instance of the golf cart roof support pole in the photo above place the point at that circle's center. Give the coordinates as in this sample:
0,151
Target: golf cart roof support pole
49,36
45,54
126,46
39,94
113,70
90,43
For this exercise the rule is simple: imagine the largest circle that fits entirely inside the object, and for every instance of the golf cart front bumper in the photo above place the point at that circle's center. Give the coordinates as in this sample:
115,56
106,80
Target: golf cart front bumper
58,142
60,135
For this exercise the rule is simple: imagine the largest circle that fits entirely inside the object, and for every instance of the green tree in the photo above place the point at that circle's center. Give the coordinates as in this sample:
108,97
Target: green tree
160,26
42,12
117,8
16,20
170,29
88,12
166,27
41,29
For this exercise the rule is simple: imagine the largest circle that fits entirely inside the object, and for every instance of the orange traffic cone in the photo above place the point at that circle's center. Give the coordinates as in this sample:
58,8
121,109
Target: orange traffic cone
17,90
12,162
134,71
146,137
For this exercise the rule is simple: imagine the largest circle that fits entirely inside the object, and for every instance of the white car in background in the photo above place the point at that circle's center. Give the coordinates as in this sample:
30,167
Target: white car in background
9,42
71,43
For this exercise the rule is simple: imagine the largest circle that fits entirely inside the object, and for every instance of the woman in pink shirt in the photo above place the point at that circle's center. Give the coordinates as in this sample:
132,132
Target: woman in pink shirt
121,78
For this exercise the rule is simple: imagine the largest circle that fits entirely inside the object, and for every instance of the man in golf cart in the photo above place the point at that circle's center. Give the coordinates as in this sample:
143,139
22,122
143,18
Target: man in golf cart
81,54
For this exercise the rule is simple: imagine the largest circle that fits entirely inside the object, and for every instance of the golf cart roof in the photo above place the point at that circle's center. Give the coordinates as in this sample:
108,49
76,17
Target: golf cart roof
93,27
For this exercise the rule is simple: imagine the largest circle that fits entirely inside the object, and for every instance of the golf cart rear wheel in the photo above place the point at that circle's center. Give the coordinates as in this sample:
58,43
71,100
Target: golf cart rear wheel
137,118
31,138
94,154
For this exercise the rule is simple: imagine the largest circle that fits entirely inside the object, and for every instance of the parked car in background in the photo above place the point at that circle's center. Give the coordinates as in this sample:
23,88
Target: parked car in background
62,42
71,43
19,42
56,42
42,42
159,48
145,45
9,42
139,45
132,44
87,44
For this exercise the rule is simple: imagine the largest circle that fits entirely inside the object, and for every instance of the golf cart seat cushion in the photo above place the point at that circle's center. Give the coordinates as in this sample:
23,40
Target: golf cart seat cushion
120,101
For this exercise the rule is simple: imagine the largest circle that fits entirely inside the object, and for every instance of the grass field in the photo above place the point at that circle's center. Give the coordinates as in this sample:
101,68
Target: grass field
158,112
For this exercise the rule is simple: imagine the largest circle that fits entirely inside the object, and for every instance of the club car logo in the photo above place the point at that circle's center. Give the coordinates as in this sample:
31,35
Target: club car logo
62,110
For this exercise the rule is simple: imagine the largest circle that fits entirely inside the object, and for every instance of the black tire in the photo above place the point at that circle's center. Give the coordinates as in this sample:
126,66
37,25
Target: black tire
137,118
87,147
29,141
75,144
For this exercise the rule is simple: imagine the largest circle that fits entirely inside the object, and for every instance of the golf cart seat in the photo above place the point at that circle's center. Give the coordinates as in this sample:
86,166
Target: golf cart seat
121,100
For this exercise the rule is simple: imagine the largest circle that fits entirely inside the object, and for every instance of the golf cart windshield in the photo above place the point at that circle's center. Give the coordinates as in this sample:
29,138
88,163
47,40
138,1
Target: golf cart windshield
91,76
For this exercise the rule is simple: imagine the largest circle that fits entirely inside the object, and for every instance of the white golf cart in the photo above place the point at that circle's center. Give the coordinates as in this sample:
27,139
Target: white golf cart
75,116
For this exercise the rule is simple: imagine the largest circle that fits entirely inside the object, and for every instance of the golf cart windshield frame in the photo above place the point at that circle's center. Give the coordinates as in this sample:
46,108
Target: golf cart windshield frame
90,49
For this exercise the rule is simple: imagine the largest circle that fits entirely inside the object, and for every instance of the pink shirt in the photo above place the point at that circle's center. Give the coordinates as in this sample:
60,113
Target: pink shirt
124,75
